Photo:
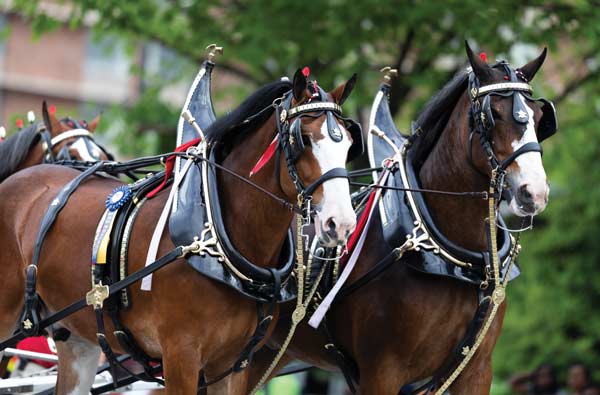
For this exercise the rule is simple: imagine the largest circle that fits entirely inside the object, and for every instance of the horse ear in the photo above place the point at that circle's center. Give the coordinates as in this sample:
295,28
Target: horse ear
341,93
480,67
299,85
531,68
52,123
46,116
94,123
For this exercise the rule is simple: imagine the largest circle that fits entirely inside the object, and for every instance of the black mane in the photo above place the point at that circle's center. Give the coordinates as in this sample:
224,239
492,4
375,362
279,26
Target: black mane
228,130
15,148
434,117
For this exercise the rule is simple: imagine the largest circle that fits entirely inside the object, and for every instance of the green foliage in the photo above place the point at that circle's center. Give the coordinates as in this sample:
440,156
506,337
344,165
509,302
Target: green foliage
145,128
552,314
553,311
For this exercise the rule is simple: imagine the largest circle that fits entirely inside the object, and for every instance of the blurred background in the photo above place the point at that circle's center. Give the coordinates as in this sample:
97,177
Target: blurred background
134,61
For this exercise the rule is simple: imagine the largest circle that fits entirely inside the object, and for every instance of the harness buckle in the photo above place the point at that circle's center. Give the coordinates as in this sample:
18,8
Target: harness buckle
97,295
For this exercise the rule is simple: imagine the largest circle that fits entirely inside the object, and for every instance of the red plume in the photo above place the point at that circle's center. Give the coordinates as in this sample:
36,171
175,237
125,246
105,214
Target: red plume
306,71
19,123
483,56
52,109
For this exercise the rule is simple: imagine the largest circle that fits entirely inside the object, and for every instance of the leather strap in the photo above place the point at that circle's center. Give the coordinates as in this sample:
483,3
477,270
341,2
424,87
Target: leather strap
114,288
529,147
337,172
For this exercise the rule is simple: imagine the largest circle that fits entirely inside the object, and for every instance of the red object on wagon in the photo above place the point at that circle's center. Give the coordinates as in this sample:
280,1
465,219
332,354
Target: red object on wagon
37,344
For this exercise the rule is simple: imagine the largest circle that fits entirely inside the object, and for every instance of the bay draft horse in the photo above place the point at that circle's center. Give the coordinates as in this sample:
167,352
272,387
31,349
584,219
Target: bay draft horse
49,141
402,326
191,322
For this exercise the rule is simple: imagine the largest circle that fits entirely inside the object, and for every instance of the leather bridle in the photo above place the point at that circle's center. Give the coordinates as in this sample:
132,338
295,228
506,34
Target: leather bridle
284,112
482,125
49,143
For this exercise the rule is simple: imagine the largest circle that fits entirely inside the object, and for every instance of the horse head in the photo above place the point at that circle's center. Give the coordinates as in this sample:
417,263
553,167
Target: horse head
70,138
322,141
506,115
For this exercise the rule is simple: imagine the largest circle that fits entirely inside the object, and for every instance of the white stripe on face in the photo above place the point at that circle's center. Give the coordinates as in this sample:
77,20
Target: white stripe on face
530,173
82,149
335,205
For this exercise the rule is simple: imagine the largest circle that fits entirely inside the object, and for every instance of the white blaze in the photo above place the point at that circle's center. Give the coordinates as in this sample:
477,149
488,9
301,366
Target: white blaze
82,149
531,170
336,191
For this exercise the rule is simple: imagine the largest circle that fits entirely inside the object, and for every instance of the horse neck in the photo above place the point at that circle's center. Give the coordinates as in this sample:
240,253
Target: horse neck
256,224
35,156
461,220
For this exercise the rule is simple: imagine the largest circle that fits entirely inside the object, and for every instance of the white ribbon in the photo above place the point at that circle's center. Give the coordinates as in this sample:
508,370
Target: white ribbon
160,226
319,314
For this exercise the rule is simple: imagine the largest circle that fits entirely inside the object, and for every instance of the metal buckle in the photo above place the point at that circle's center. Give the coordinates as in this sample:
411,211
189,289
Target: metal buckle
97,295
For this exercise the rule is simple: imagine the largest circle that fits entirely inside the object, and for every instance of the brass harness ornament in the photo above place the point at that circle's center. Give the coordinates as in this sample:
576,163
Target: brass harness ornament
97,295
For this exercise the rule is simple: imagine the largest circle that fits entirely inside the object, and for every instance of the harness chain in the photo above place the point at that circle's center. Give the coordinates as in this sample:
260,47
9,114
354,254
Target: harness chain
498,293
301,305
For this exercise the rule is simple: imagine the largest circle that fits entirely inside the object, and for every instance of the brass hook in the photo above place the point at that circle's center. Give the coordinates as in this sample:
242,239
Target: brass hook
389,74
213,50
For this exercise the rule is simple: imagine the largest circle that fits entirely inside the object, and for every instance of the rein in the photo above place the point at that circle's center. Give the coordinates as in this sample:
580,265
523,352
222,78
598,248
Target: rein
476,195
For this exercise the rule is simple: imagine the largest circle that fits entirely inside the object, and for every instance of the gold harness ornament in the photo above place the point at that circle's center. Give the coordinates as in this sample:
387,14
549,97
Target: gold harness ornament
301,302
498,295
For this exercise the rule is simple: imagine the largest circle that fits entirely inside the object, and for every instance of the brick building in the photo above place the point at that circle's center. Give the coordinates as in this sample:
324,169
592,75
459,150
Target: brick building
69,68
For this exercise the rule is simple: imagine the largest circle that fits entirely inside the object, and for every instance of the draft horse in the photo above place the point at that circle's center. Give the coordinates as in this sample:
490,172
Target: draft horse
48,142
403,318
190,321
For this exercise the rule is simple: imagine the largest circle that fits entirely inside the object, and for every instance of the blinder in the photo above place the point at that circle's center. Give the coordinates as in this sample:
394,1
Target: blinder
358,142
296,143
356,149
487,118
548,124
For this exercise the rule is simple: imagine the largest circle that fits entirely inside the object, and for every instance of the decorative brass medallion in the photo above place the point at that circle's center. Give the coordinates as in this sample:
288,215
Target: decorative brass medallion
27,324
97,295
498,295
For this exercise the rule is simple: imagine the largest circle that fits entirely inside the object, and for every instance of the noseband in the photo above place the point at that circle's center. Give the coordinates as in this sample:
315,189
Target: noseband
79,131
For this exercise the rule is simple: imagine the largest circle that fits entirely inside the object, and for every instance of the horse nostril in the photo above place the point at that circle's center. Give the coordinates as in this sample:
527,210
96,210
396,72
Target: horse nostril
330,224
524,194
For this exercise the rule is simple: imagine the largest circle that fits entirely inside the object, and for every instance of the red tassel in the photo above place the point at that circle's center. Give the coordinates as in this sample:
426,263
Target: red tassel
266,157
52,110
483,56
19,123
306,71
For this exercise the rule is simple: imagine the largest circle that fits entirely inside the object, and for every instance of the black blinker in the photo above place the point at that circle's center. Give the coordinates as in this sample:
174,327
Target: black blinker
520,113
333,128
